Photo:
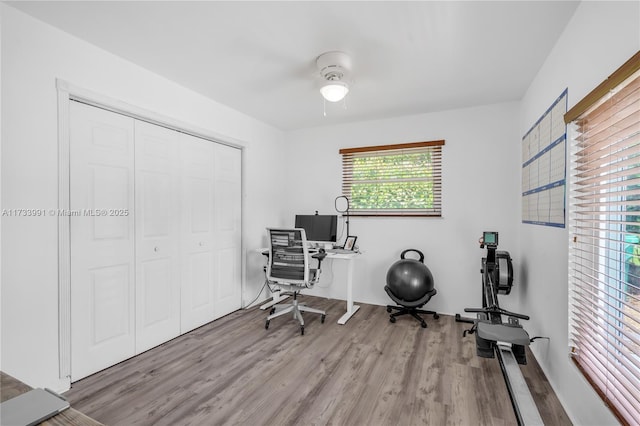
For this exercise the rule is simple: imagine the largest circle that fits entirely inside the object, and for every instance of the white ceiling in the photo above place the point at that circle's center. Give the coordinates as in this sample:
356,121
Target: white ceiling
259,57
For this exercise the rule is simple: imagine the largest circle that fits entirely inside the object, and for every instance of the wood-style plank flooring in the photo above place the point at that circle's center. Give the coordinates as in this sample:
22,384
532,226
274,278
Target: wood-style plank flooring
367,372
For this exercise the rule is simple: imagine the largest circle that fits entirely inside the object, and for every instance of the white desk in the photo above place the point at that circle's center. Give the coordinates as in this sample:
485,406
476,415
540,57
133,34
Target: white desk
351,307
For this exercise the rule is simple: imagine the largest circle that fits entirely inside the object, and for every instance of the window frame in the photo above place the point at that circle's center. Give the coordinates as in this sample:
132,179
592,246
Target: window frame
434,148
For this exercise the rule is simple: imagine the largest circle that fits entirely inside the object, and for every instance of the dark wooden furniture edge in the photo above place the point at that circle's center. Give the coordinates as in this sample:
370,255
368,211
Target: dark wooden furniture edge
11,387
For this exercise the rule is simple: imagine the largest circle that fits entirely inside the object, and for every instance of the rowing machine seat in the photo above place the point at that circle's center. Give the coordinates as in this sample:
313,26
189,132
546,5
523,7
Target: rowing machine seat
503,333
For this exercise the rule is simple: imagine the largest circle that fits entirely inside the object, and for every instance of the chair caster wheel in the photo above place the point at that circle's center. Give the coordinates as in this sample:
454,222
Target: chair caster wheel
388,309
436,316
322,319
392,319
423,324
272,311
266,325
302,330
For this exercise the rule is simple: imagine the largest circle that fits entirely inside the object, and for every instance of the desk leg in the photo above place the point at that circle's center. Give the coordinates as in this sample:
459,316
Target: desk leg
351,308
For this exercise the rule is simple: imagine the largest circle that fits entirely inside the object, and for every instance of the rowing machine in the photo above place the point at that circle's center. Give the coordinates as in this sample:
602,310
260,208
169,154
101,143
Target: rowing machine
496,338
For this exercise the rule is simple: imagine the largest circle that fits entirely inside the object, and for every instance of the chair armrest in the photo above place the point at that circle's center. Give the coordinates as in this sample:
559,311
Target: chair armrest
320,255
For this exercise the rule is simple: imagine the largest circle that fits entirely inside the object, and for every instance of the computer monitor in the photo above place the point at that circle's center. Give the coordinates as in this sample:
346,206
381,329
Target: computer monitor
318,227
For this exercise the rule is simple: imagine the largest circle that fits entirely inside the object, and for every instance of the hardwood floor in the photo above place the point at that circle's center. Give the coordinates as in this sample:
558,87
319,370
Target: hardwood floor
367,372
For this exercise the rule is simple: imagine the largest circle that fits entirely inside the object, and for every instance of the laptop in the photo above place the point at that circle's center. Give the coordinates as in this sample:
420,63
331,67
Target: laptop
31,408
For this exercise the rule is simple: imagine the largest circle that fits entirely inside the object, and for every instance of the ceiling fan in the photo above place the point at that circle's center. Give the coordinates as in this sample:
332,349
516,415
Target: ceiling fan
334,68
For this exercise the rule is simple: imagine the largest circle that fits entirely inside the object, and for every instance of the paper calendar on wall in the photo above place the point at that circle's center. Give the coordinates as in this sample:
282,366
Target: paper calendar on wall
544,168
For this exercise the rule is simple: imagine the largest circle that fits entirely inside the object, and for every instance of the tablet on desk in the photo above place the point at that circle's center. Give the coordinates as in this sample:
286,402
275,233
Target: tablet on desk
31,408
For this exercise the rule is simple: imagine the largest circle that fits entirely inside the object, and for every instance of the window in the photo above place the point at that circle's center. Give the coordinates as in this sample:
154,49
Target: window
604,253
394,180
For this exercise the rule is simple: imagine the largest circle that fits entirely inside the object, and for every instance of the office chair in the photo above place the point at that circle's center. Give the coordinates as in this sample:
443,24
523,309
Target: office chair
289,268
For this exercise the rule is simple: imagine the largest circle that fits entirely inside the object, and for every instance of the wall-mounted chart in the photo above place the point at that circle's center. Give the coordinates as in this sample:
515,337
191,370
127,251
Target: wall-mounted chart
544,168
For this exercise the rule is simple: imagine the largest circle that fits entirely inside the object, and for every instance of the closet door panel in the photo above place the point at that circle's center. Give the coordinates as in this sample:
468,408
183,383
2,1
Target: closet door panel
157,218
102,244
227,222
197,249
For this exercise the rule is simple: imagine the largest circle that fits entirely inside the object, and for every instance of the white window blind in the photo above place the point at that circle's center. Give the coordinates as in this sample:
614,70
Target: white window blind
394,180
604,254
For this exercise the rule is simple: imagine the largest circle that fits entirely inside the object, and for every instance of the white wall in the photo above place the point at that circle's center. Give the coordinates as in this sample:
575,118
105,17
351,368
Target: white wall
33,56
600,37
479,193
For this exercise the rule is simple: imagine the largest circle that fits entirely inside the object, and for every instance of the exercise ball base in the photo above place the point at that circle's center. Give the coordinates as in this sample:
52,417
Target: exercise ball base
403,310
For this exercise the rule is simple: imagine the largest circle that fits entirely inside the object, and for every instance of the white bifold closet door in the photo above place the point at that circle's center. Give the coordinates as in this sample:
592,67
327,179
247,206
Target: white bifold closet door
102,247
211,238
157,229
227,221
173,263
198,261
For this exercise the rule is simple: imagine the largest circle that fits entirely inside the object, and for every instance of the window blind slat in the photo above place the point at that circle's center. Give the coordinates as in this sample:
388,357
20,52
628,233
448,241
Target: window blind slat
624,328
628,95
622,120
608,349
633,329
589,155
599,357
604,256
599,378
598,160
592,191
614,383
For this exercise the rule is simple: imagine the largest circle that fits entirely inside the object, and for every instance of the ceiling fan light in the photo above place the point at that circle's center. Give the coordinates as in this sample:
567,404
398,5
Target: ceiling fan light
334,91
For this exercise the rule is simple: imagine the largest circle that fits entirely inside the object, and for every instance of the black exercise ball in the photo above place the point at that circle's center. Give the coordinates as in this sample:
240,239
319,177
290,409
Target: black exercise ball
409,279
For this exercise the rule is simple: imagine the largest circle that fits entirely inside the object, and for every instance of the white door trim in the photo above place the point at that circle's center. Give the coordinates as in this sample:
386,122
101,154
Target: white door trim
66,93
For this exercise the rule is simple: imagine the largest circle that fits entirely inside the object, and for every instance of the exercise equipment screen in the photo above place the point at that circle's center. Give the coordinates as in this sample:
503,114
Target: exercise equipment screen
490,238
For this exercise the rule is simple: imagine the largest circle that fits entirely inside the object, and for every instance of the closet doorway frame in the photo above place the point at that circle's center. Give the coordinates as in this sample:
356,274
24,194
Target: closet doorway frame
68,92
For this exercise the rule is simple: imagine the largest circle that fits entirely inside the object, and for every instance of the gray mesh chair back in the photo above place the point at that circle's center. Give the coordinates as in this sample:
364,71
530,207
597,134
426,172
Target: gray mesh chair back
288,257
289,267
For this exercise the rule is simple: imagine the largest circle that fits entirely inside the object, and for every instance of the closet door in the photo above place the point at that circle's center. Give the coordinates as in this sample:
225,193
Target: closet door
155,235
227,222
157,230
198,261
102,241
